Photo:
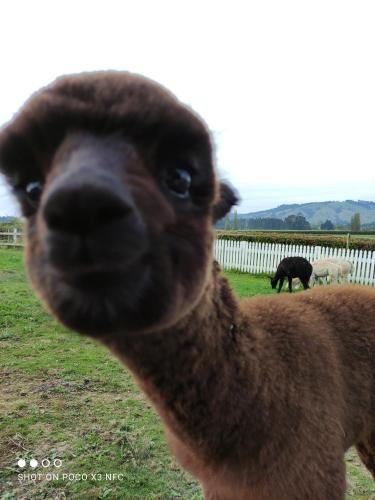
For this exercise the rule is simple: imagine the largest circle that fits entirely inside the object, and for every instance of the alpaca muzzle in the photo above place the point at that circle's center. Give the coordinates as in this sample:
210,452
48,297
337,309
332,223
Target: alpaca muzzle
92,224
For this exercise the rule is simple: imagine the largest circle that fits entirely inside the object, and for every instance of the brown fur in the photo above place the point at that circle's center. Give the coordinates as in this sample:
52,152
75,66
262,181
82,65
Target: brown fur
260,398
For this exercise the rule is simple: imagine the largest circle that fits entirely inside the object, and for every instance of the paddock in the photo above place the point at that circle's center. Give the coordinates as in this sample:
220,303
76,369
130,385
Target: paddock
258,258
56,396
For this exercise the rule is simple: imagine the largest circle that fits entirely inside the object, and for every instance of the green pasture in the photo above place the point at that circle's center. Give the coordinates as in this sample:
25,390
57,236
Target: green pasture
64,397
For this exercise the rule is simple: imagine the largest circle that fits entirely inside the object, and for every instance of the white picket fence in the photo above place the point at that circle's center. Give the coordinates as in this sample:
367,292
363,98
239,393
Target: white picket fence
256,257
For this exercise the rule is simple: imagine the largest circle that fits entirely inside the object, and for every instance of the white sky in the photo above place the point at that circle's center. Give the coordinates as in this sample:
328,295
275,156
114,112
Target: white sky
287,87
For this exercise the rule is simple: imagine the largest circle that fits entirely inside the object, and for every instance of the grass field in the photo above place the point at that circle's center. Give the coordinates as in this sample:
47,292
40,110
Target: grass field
65,397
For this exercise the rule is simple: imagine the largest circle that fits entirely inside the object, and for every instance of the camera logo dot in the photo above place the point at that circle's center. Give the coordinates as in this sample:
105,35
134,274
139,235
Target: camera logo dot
45,463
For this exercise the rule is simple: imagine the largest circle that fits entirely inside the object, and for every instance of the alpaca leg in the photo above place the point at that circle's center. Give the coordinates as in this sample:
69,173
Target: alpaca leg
281,282
366,452
305,284
290,284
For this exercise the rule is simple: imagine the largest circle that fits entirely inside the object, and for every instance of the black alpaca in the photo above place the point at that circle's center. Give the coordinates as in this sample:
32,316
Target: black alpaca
292,267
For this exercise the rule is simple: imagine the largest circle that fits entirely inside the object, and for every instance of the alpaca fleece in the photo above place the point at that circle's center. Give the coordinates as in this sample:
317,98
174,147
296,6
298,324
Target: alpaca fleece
260,398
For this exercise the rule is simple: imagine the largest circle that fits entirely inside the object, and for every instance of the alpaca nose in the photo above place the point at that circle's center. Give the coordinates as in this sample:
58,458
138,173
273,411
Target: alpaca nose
84,208
92,220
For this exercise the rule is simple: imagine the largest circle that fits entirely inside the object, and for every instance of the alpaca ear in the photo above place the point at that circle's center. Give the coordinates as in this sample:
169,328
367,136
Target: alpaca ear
227,198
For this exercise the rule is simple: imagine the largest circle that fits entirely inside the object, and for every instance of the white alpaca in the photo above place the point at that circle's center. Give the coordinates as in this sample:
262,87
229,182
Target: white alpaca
326,270
296,283
345,266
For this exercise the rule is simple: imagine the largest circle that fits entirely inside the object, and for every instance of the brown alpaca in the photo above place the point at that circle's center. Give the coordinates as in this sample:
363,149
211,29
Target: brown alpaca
259,398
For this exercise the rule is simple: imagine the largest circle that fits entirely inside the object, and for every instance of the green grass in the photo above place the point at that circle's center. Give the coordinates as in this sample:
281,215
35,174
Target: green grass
363,236
64,396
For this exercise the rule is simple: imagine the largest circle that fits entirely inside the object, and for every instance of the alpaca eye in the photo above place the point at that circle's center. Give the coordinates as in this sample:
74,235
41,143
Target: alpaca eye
33,191
178,182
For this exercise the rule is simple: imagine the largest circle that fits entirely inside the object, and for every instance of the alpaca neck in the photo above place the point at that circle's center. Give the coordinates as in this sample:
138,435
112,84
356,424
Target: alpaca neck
191,370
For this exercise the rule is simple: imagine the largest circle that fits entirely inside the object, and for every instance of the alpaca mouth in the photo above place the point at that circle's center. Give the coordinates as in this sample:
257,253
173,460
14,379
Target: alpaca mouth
101,279
96,279
98,302
103,274
86,262
94,286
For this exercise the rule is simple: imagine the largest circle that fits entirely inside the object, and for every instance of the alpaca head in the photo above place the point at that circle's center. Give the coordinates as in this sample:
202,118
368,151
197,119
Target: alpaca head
116,181
273,281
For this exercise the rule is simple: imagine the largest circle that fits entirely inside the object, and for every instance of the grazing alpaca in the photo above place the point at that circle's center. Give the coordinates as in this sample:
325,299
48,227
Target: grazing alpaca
319,275
345,267
292,267
324,269
260,398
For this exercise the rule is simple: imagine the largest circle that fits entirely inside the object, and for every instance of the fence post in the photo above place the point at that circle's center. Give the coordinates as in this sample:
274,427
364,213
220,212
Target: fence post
347,241
318,252
15,235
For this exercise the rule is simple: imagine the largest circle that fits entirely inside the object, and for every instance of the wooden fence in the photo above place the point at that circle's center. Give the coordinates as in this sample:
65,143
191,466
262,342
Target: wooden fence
12,238
256,257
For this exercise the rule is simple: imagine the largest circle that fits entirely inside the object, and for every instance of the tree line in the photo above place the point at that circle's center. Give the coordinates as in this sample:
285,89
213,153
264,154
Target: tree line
292,222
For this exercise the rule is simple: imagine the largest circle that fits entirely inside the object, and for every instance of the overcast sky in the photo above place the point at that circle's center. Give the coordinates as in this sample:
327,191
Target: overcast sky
287,88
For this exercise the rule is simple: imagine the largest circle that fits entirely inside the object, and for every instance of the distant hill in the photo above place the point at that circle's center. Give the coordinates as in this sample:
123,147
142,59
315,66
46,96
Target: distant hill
339,212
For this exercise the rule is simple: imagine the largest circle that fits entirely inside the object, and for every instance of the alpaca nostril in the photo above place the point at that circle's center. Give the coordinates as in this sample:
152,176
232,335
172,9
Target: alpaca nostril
84,210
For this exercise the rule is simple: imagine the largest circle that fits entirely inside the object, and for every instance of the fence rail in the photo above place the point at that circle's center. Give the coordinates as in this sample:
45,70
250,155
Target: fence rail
256,257
12,238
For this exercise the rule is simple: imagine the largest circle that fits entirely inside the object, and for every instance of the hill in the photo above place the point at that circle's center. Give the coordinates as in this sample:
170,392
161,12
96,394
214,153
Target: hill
339,212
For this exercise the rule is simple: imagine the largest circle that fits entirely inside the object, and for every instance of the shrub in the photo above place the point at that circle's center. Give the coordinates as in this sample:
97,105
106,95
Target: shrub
296,239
